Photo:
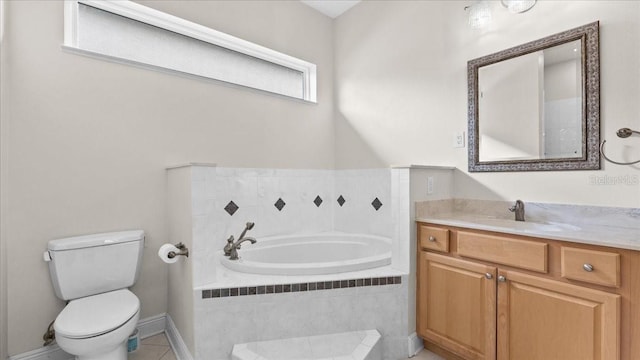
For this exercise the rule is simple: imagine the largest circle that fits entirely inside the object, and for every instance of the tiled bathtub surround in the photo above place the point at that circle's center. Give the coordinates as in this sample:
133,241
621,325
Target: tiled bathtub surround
285,202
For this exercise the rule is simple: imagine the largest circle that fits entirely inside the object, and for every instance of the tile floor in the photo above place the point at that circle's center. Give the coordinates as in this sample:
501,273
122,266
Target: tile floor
426,355
157,348
154,348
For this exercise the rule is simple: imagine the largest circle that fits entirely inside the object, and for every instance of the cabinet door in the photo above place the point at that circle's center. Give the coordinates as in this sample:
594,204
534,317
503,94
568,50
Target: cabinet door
541,319
457,305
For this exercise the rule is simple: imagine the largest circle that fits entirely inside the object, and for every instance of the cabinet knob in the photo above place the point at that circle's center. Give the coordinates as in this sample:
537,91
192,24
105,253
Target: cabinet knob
502,278
488,276
587,267
432,238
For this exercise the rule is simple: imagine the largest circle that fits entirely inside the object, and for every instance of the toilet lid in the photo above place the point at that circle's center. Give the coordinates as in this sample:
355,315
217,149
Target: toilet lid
97,314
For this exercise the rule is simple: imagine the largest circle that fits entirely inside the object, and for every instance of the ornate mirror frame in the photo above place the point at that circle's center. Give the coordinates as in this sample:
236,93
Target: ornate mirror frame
590,160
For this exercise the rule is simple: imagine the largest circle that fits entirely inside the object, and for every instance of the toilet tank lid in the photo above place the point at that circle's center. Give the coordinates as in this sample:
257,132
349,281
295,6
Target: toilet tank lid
85,241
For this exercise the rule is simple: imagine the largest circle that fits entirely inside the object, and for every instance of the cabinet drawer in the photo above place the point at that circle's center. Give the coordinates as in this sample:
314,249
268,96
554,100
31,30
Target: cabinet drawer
433,238
524,254
596,267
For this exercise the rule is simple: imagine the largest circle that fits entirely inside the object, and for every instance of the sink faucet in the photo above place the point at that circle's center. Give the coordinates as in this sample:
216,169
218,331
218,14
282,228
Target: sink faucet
231,249
518,209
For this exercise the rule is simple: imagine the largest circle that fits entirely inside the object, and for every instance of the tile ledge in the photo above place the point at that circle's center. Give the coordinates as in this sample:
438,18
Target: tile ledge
178,166
430,167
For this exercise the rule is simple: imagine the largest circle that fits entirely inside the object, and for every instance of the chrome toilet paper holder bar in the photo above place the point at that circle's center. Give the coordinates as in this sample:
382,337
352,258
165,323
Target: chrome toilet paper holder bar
183,251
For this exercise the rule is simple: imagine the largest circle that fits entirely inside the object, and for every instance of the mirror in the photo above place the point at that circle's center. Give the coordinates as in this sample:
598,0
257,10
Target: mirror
536,106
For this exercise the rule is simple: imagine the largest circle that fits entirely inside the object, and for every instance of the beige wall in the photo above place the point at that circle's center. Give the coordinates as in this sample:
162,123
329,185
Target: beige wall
401,91
3,193
86,142
179,218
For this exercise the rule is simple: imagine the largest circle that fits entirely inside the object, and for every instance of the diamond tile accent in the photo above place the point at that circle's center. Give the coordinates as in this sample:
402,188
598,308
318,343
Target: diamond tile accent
317,201
279,204
231,208
376,204
341,200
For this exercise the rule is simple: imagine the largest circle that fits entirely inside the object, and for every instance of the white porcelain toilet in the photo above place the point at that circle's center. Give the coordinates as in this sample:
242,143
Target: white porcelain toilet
94,272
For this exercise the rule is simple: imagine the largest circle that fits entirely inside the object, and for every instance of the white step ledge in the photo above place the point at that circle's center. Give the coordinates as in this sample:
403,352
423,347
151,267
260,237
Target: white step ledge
354,345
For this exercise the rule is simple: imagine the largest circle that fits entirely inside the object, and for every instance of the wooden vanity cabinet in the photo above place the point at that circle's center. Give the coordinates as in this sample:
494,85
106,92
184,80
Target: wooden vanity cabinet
477,307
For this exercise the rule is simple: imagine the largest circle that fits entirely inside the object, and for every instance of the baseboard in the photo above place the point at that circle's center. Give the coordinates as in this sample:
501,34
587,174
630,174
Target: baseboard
177,344
415,344
152,325
147,327
51,352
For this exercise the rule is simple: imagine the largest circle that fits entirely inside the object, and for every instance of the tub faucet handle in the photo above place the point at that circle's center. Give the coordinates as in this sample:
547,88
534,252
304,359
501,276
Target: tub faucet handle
229,246
231,249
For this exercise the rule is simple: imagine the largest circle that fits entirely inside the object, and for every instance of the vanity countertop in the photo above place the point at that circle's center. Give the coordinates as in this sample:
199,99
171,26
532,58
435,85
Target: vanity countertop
602,235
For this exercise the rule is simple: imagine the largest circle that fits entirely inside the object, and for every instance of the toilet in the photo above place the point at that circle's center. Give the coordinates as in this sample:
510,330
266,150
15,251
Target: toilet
93,272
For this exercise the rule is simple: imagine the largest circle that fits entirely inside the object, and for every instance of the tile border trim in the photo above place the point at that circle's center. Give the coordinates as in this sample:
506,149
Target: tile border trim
300,287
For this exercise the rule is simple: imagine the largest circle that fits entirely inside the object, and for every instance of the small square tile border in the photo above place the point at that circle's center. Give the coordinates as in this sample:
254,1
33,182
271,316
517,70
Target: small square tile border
301,287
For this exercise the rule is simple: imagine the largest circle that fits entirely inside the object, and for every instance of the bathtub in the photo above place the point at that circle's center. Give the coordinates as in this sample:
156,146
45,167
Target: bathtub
327,253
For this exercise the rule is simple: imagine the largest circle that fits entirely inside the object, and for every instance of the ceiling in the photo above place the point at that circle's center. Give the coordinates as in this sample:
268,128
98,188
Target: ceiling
331,8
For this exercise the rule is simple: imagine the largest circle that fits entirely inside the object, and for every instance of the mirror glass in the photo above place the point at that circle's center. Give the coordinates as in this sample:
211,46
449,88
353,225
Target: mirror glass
536,106
531,105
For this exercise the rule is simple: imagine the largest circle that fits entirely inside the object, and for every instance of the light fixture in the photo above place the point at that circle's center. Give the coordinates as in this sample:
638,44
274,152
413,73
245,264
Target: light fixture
479,14
518,6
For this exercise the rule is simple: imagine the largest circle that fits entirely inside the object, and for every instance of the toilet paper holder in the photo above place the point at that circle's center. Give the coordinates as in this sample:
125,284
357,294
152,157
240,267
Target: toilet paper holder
183,251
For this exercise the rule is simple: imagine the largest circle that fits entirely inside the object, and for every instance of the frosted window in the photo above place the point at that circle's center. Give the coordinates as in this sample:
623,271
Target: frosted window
117,36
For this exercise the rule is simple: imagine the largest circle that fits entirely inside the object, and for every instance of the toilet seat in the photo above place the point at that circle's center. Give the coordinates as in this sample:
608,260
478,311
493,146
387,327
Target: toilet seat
97,314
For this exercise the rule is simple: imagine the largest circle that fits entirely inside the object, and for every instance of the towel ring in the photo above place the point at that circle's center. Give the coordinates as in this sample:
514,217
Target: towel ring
622,133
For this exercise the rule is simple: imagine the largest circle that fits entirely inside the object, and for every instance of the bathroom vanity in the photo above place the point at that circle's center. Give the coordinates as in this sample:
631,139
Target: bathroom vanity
498,295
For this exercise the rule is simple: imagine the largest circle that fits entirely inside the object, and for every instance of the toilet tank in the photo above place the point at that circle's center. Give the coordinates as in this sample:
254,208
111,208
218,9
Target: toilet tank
92,264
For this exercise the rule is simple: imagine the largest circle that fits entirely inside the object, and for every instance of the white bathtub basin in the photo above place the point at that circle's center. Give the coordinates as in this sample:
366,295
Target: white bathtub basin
327,253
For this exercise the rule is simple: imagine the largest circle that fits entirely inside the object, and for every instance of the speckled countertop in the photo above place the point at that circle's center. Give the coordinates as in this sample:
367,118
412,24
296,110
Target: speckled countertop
612,227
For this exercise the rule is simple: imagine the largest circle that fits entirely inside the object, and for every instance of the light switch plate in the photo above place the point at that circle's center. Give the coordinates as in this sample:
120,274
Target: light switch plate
458,139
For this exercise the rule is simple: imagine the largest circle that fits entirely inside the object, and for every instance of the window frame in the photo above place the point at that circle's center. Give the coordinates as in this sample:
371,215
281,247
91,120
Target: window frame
187,28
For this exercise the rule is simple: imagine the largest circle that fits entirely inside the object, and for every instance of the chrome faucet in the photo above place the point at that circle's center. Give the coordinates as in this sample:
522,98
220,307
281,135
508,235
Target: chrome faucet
232,247
518,209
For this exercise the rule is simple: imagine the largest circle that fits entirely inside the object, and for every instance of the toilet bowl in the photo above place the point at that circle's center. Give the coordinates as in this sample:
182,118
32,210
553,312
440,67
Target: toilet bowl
97,327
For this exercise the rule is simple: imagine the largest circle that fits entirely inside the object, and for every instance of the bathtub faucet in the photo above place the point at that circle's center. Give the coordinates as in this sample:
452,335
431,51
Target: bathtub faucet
232,247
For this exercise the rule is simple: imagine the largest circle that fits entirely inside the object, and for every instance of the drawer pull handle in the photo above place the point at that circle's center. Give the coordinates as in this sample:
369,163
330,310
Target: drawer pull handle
488,276
432,238
502,278
587,267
